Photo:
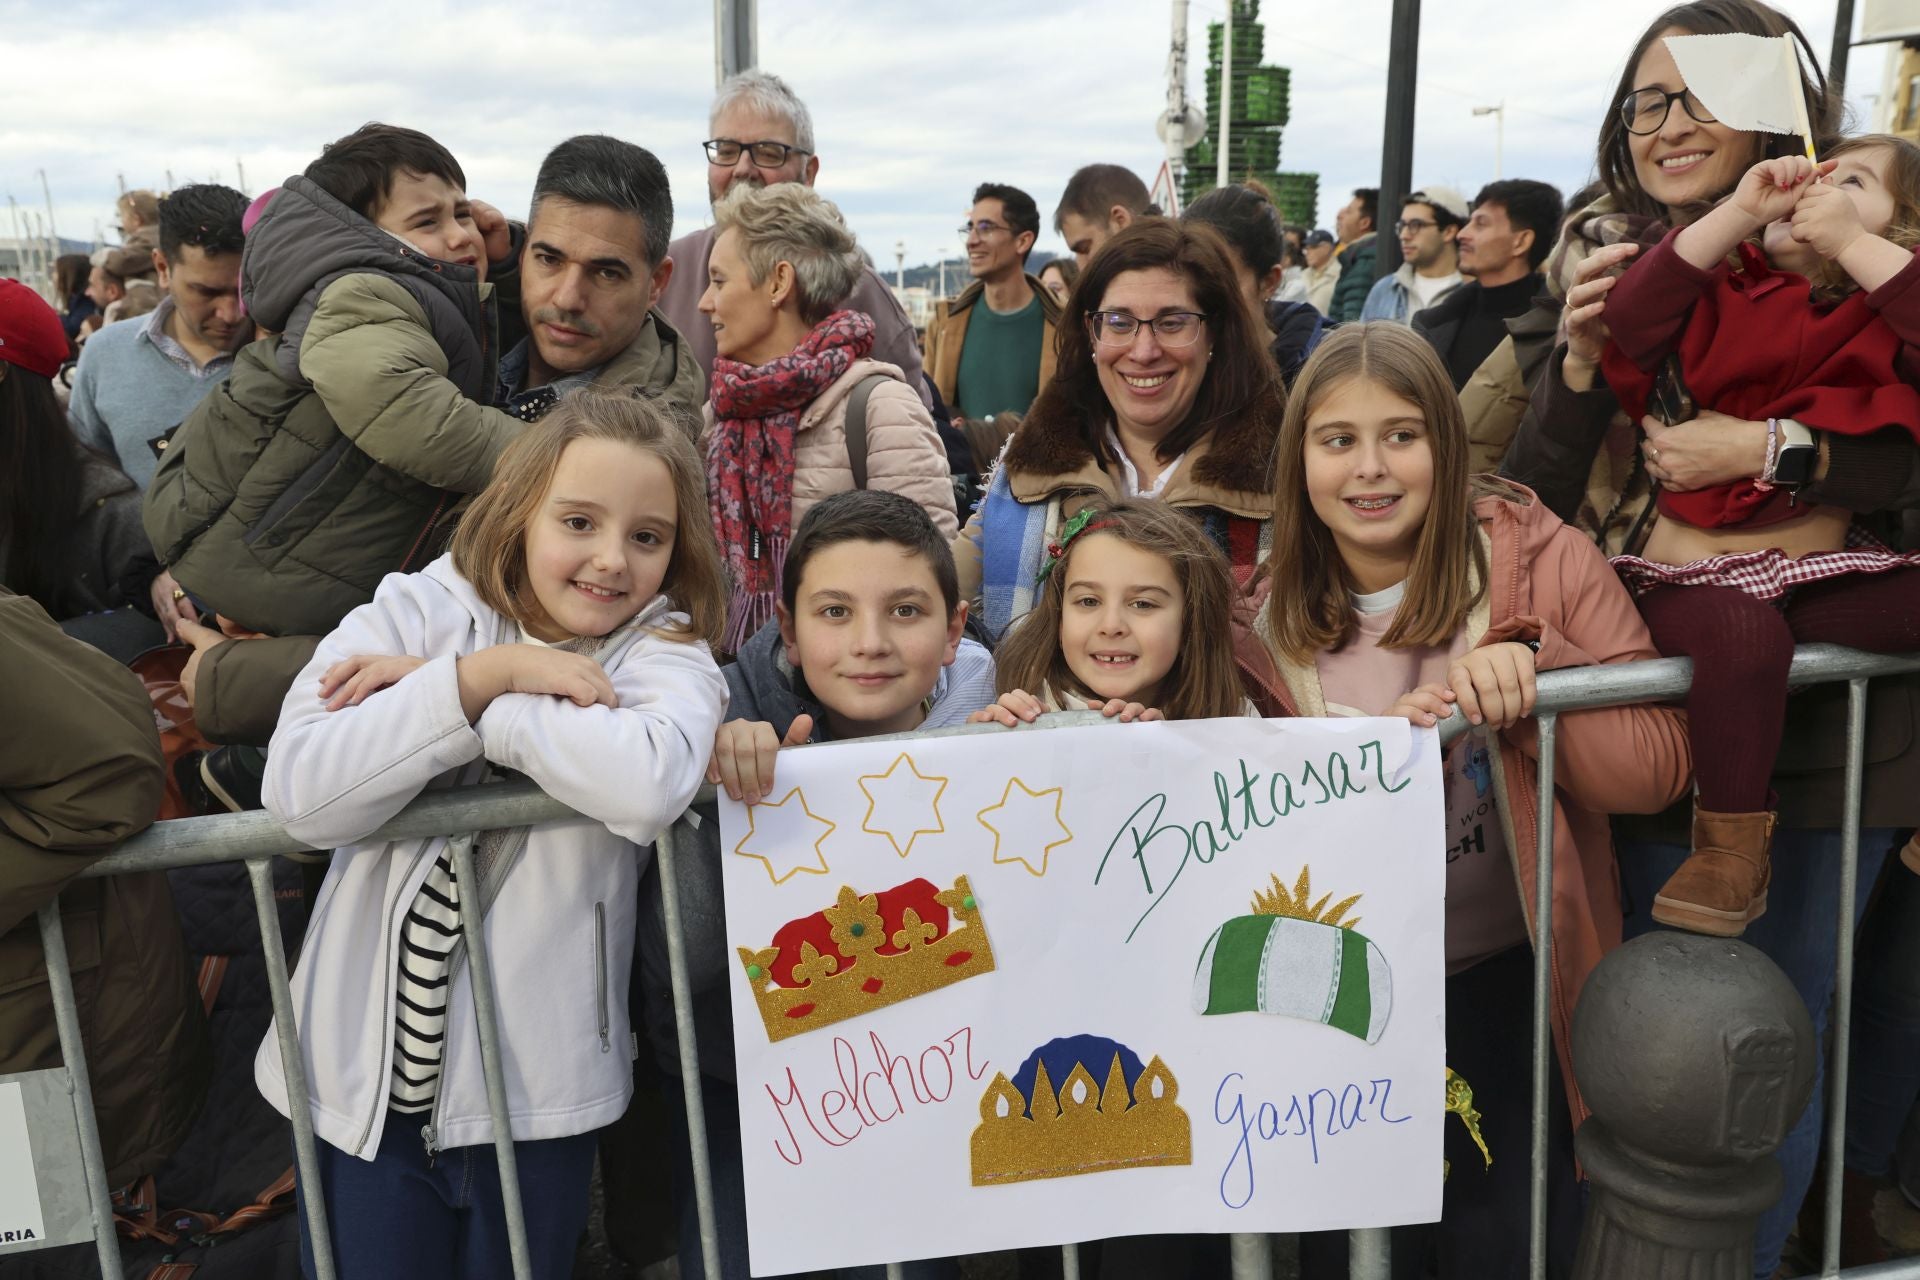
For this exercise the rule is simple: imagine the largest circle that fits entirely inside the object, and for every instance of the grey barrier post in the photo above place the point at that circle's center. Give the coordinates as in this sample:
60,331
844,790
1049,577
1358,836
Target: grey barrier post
486,1019
73,1056
1843,971
1069,1262
1370,1254
664,855
1543,1059
293,1064
1252,1255
1696,1056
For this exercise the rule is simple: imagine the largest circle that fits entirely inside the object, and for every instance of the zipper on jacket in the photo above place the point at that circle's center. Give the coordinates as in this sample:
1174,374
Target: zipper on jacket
600,971
431,1139
426,533
387,964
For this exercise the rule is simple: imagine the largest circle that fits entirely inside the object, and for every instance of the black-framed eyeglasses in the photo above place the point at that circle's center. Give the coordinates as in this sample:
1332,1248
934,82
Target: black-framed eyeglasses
1170,328
767,154
1412,226
982,228
1644,110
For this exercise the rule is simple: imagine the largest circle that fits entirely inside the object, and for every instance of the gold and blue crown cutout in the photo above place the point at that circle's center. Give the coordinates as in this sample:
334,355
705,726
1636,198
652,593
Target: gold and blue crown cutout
865,953
1027,1130
1297,961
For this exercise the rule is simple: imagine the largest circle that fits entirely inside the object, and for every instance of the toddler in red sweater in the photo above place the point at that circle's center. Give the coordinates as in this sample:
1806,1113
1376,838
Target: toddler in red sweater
1814,330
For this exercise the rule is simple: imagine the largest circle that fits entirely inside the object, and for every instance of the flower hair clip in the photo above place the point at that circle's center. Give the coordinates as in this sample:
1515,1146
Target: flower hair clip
1057,549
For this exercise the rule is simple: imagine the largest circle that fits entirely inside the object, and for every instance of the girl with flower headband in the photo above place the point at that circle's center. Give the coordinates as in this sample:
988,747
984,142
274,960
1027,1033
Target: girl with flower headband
1133,618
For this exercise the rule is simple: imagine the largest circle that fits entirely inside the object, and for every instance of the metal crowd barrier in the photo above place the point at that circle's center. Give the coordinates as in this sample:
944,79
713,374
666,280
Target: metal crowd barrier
255,839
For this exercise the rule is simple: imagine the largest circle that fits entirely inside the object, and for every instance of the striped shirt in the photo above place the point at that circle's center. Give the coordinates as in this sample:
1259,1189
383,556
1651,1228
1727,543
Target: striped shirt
427,940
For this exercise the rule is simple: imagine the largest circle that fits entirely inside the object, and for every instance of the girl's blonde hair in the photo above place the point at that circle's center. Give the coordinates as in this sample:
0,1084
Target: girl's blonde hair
1310,609
1204,681
490,546
1903,184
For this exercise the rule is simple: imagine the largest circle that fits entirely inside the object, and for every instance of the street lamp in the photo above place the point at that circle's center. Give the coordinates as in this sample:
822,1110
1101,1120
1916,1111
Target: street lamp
1499,114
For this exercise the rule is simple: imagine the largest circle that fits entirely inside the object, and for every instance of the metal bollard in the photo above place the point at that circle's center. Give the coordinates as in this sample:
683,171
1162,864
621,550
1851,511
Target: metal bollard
73,1056
1696,1056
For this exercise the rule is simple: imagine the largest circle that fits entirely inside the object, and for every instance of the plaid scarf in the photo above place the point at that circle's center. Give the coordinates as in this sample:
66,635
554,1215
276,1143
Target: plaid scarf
756,410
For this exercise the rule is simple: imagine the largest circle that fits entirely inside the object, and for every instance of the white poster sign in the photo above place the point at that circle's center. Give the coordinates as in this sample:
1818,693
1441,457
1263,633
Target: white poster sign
20,1216
1036,987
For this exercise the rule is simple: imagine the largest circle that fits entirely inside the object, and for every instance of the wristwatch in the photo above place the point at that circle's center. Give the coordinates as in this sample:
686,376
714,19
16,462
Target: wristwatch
1799,454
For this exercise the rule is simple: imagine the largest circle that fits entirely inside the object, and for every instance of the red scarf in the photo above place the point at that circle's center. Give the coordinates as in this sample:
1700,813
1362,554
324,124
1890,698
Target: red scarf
756,410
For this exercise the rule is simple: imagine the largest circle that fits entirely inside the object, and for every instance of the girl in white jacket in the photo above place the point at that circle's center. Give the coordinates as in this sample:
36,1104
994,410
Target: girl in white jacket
565,637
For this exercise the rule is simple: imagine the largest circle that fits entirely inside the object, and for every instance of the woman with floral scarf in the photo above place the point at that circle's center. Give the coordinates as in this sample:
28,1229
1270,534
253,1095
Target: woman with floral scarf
785,373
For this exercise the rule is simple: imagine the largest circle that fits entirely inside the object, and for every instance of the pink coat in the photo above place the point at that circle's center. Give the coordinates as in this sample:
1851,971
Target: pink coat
904,453
1548,582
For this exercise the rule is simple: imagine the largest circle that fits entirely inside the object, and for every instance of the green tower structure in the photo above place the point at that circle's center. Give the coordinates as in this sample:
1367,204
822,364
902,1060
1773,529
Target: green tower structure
1259,114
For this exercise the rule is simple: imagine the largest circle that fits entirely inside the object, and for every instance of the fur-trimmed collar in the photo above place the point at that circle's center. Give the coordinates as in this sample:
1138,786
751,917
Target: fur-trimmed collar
1234,461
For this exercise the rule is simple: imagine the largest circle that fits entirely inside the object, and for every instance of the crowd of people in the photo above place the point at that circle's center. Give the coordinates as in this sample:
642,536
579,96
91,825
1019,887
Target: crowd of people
418,494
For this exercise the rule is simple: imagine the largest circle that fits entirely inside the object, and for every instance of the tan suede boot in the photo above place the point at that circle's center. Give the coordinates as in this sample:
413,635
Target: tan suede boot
1723,887
1910,853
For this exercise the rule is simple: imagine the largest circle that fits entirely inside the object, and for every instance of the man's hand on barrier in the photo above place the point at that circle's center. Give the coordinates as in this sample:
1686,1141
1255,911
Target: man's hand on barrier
203,639
351,681
1494,684
744,752
1426,706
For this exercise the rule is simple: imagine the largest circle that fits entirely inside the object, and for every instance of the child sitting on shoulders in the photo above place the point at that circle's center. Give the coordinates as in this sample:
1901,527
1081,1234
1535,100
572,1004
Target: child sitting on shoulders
1820,335
342,444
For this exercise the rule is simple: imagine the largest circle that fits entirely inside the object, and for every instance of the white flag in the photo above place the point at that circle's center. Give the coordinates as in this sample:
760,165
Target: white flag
1747,82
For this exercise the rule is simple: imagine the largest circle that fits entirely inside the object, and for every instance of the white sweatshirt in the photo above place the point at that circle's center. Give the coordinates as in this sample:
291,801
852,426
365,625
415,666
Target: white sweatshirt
559,912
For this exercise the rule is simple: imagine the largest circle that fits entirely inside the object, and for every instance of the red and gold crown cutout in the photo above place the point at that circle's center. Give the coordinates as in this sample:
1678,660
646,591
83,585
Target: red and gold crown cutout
865,953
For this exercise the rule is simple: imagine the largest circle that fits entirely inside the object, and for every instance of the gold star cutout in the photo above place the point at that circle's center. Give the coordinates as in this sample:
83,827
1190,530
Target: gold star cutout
783,832
902,804
1023,823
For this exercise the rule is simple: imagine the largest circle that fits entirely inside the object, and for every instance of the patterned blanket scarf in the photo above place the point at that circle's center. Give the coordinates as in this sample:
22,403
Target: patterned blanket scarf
756,410
1014,537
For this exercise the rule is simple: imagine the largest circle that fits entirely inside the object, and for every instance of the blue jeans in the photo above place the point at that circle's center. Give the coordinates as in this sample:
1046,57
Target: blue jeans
1798,933
400,1217
1884,1075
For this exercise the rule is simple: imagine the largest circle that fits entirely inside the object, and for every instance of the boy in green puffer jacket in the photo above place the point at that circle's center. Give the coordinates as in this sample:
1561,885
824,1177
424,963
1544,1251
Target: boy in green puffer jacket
344,441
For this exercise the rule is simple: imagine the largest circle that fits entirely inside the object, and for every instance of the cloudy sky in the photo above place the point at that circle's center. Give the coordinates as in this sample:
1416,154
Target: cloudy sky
914,101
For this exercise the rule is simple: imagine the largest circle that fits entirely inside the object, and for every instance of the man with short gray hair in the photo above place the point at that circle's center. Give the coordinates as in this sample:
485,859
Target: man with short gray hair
587,280
762,134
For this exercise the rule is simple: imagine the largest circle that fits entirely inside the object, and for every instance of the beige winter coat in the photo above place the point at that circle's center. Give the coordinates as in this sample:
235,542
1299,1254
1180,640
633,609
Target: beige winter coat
904,453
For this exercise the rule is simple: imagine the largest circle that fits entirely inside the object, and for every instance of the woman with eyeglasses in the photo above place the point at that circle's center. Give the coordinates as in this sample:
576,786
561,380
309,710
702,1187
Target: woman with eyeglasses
1162,389
799,409
1664,161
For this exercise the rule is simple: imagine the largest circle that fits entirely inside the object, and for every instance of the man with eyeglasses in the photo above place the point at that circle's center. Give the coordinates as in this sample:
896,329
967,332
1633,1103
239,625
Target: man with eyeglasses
990,350
1430,220
762,134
